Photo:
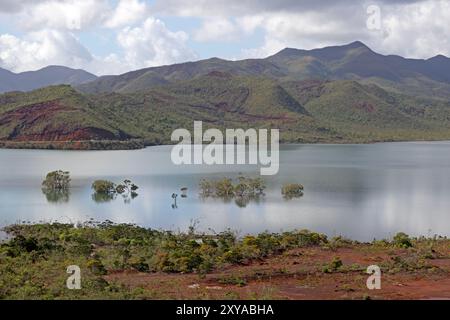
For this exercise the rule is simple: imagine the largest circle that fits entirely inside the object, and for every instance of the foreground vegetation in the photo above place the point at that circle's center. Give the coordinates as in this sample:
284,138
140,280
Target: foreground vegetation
34,259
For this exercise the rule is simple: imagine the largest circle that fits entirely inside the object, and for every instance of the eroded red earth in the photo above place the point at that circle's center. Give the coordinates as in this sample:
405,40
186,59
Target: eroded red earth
298,274
28,117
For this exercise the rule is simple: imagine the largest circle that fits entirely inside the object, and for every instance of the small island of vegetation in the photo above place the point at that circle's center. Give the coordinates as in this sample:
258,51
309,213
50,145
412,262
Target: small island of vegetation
292,190
105,190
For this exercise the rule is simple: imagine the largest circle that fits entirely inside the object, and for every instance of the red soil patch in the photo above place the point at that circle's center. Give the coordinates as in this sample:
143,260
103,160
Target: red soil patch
33,115
59,134
298,275
366,106
219,74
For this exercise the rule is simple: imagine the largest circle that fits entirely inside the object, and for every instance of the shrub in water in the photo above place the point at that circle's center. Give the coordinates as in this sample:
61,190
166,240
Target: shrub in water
103,186
105,190
57,180
224,188
292,190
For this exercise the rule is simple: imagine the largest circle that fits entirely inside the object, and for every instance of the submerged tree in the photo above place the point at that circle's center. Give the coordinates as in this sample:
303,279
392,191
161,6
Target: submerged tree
57,196
292,190
206,188
104,186
243,189
57,180
105,190
224,188
56,186
128,188
103,197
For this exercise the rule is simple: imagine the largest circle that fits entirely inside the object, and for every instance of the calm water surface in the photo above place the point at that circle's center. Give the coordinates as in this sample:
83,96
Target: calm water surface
359,191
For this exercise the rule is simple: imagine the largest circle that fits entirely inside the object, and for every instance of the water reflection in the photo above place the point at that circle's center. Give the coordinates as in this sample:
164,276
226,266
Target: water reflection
108,197
291,196
244,201
56,196
107,191
103,197
359,191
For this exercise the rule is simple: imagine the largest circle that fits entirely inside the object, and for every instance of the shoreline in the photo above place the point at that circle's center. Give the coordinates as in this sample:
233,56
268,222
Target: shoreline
143,263
124,145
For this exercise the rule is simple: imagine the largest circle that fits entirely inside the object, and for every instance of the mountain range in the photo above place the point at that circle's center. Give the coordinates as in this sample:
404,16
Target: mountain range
335,94
51,75
354,61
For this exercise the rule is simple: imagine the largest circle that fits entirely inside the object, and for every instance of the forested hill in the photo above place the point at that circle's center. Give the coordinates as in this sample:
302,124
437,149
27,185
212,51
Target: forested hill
336,94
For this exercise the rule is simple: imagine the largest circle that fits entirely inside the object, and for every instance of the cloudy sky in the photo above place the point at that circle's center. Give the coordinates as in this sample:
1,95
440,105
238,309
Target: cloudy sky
115,36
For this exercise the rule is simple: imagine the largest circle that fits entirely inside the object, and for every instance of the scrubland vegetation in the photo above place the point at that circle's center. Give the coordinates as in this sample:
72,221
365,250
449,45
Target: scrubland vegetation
34,259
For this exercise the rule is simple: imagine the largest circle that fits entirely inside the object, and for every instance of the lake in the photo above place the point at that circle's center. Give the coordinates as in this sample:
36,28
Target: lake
358,191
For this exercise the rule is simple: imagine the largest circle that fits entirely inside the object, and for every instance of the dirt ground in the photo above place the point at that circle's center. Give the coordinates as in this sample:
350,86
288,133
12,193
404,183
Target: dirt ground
299,274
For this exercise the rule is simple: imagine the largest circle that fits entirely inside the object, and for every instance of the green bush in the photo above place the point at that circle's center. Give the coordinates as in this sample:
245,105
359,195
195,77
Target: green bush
402,240
57,180
105,190
243,190
224,188
34,257
292,190
107,246
103,186
96,267
206,188
333,266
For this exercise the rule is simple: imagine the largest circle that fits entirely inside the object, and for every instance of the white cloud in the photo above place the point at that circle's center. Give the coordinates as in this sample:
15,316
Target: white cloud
51,28
112,64
12,6
205,8
270,47
416,30
306,30
40,49
127,13
249,23
217,29
69,14
152,44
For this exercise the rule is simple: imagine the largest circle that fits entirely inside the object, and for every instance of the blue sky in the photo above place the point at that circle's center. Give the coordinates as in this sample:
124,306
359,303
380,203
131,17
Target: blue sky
116,36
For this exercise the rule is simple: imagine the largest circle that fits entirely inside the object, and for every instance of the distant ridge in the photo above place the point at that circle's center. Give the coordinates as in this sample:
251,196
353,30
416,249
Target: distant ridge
51,75
354,61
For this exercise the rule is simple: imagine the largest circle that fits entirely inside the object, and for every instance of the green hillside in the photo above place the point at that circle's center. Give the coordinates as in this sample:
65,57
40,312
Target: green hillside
355,61
368,112
306,111
219,100
52,114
